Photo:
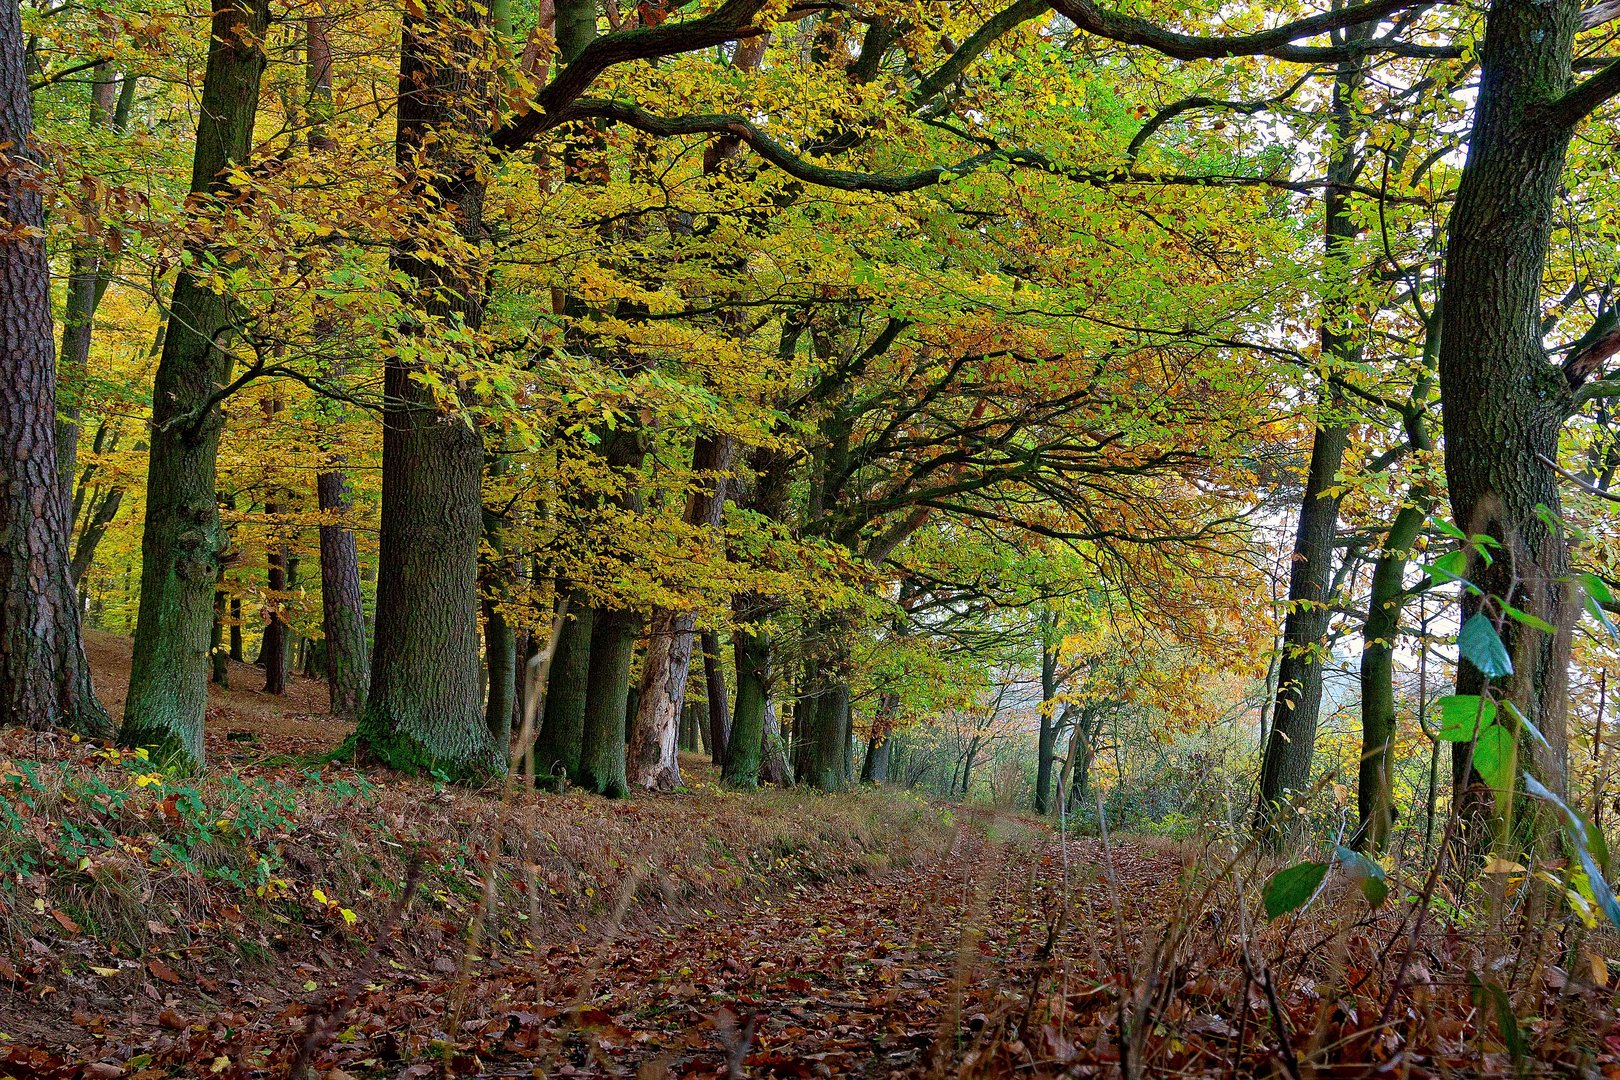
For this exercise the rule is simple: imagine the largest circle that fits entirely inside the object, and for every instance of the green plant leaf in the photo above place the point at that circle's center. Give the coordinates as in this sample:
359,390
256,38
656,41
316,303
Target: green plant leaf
1583,844
1459,713
1479,644
1289,888
1597,595
1494,756
1449,567
1367,874
1528,619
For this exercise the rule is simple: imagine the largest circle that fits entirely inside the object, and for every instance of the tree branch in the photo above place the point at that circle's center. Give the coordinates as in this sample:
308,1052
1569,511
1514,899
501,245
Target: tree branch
1277,42
1585,98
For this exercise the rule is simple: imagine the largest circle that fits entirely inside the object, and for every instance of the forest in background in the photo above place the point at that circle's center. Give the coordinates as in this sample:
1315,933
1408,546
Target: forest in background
1189,420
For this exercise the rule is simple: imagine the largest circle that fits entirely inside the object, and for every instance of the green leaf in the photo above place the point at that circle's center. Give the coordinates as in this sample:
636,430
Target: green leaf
1494,755
1597,595
1528,619
1449,529
1479,644
1452,566
1584,848
1368,875
1488,993
1459,712
1289,889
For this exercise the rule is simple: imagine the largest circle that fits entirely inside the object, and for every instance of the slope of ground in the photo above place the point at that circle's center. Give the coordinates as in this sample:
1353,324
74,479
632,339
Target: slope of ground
284,917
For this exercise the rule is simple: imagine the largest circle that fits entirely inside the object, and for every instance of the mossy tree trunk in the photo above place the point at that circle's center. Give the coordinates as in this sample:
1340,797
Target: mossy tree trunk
44,677
562,727
181,542
607,682
1504,401
423,710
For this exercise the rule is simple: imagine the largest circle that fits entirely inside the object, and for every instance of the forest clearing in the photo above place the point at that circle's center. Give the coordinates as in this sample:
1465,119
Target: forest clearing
819,538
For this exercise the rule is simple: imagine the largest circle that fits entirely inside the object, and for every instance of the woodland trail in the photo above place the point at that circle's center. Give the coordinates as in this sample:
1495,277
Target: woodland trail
915,972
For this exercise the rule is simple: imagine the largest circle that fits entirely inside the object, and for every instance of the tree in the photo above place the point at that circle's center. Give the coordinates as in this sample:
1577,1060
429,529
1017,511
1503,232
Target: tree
1504,401
44,676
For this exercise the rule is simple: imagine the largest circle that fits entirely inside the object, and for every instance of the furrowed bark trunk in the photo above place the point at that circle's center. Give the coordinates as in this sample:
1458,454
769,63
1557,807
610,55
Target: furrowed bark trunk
1504,403
825,738
653,760
1286,764
613,647
44,677
343,622
423,709
89,271
562,730
181,541
747,745
718,713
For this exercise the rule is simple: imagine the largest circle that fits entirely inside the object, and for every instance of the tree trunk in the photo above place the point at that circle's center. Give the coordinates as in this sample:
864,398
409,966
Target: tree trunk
181,542
653,762
343,623
423,709
823,721
44,676
562,731
500,639
1375,786
718,712
1286,764
89,271
747,742
216,640
236,629
612,650
1046,745
1504,403
274,649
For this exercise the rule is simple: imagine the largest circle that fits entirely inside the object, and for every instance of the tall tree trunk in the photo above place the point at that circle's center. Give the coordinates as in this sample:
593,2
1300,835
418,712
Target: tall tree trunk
562,729
1046,745
612,650
1375,787
1286,764
1504,403
181,541
423,709
343,623
236,629
718,712
747,743
44,677
89,271
653,762
500,638
216,639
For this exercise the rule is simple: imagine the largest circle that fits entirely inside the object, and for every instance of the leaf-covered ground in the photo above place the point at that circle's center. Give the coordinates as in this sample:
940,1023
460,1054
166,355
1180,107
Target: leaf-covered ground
280,918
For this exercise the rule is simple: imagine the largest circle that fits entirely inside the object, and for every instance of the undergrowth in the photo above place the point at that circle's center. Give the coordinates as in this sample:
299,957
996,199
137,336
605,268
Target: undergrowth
115,860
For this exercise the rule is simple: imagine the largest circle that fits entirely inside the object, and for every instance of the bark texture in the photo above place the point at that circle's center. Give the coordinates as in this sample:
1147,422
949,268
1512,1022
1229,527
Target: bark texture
1291,745
1504,402
44,677
423,709
181,542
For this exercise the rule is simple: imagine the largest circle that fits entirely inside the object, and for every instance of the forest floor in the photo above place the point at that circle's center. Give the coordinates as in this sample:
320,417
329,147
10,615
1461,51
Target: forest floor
289,916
